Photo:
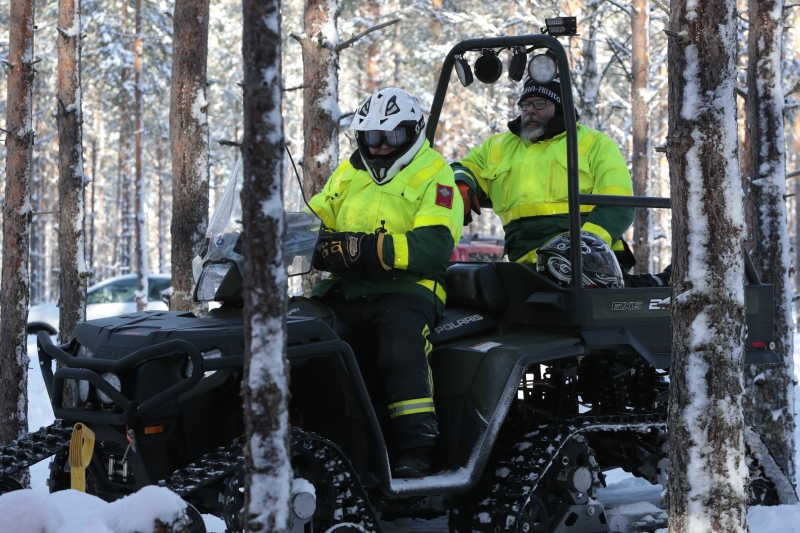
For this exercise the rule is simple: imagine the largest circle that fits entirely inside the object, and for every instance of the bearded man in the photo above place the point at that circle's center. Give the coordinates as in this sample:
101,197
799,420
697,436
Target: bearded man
524,174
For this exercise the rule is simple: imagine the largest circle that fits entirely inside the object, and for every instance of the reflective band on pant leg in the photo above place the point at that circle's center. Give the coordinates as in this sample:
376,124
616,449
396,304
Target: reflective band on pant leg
411,407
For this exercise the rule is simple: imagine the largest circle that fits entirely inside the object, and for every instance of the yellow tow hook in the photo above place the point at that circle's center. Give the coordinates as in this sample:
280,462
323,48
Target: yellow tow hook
81,448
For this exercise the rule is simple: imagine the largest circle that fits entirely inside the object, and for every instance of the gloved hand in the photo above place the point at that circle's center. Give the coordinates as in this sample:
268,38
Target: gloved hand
350,252
470,201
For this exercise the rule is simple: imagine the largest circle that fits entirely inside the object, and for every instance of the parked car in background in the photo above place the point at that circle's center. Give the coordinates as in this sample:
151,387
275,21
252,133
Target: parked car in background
111,297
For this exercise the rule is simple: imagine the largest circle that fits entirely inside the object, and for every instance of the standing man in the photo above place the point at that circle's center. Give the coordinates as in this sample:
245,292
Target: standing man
524,173
394,218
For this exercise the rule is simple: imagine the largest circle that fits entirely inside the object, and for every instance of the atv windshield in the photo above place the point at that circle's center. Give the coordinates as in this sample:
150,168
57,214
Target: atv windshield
225,230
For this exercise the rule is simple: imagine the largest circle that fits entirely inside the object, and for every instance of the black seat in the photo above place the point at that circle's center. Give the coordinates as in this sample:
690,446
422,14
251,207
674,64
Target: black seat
475,286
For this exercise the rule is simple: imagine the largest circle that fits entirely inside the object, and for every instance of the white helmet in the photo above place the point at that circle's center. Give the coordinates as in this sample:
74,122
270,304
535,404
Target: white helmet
392,116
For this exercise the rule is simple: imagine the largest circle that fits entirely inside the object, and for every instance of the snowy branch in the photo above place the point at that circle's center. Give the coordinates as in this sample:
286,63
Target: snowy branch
794,89
346,44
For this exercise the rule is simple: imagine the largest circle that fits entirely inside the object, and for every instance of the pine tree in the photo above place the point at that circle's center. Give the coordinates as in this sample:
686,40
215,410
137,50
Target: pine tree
268,472
707,469
14,284
71,180
188,130
770,389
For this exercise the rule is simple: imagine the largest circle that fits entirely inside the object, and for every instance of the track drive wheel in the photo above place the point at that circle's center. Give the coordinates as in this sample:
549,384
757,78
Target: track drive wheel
233,501
9,484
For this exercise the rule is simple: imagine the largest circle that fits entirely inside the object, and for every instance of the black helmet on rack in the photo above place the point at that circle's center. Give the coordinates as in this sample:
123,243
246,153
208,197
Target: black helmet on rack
600,266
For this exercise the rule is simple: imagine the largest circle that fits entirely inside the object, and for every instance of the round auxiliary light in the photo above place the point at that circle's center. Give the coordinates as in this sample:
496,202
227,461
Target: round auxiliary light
516,67
114,381
542,68
488,66
463,71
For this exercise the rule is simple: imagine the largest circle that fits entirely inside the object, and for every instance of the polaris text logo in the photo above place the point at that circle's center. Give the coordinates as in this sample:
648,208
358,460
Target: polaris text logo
458,323
626,306
293,311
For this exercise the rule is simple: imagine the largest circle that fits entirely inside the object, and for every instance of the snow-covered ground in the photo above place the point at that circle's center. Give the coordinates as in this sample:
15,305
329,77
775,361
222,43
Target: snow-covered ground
622,489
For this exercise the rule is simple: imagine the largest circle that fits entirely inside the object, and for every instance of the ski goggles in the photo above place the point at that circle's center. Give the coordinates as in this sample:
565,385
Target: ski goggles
393,138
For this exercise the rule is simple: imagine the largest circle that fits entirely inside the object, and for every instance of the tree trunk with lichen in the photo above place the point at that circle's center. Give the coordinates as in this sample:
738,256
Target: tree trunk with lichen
188,131
320,102
140,232
265,387
707,470
14,284
770,388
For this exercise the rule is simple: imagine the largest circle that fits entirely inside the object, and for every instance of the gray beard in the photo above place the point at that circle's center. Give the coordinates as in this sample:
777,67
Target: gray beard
532,131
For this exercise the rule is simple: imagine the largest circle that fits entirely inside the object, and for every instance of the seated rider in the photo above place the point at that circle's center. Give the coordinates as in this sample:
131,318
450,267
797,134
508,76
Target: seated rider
524,173
393,218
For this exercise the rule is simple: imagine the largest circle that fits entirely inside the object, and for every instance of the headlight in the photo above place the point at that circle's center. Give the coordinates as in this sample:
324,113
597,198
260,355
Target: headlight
542,68
114,381
210,280
211,354
83,390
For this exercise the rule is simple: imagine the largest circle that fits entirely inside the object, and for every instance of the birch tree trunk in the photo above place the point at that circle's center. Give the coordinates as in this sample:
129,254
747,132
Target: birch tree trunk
15,285
268,472
71,179
640,159
320,102
707,469
770,389
188,131
140,256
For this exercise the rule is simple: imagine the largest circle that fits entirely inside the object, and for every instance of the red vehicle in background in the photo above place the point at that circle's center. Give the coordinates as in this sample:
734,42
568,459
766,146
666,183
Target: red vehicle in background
479,248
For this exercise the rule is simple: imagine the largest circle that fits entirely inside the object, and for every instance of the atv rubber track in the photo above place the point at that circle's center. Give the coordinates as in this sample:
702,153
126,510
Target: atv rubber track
510,481
34,447
217,465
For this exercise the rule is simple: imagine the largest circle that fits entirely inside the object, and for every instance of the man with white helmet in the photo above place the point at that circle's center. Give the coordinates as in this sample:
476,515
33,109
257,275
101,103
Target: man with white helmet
393,217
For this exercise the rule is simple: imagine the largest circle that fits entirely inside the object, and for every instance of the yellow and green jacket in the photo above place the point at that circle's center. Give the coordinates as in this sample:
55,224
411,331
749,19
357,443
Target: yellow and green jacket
527,184
422,212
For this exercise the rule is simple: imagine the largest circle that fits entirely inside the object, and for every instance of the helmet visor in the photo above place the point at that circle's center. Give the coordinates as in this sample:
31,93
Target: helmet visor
603,263
393,138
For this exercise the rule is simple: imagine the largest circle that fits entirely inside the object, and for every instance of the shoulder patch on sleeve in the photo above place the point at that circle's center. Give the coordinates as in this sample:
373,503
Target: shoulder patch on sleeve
444,196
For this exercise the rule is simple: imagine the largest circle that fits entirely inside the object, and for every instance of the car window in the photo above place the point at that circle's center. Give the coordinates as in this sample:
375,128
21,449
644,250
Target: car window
118,292
156,286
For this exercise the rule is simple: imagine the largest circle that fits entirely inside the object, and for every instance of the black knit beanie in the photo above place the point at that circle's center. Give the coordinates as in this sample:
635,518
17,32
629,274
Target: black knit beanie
549,91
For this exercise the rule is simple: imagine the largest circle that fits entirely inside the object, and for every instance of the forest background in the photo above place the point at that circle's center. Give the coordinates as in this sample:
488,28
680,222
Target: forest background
407,55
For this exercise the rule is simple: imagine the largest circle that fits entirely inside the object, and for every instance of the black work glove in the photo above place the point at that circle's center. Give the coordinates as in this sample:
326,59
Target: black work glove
351,252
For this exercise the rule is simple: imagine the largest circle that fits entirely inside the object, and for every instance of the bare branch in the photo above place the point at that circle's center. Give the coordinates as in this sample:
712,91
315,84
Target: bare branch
225,142
293,88
661,6
346,115
620,7
296,37
791,106
351,40
741,92
793,90
793,174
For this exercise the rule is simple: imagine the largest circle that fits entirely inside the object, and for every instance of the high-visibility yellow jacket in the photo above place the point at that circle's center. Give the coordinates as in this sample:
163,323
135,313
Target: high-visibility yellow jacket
422,212
527,184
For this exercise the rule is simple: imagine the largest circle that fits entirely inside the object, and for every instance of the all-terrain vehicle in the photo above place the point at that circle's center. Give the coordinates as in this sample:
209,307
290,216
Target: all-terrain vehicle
538,388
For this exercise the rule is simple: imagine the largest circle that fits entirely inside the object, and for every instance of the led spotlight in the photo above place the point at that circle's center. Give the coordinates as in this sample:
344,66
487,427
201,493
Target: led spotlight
488,67
463,71
542,68
516,68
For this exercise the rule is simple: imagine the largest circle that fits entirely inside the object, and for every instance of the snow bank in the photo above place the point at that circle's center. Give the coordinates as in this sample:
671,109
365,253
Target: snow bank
70,511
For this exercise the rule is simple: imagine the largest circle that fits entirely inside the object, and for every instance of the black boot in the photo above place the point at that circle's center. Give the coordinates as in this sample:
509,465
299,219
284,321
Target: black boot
412,463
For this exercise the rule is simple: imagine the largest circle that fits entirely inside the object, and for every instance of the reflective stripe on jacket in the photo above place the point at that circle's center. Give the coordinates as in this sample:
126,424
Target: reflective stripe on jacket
525,180
421,210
